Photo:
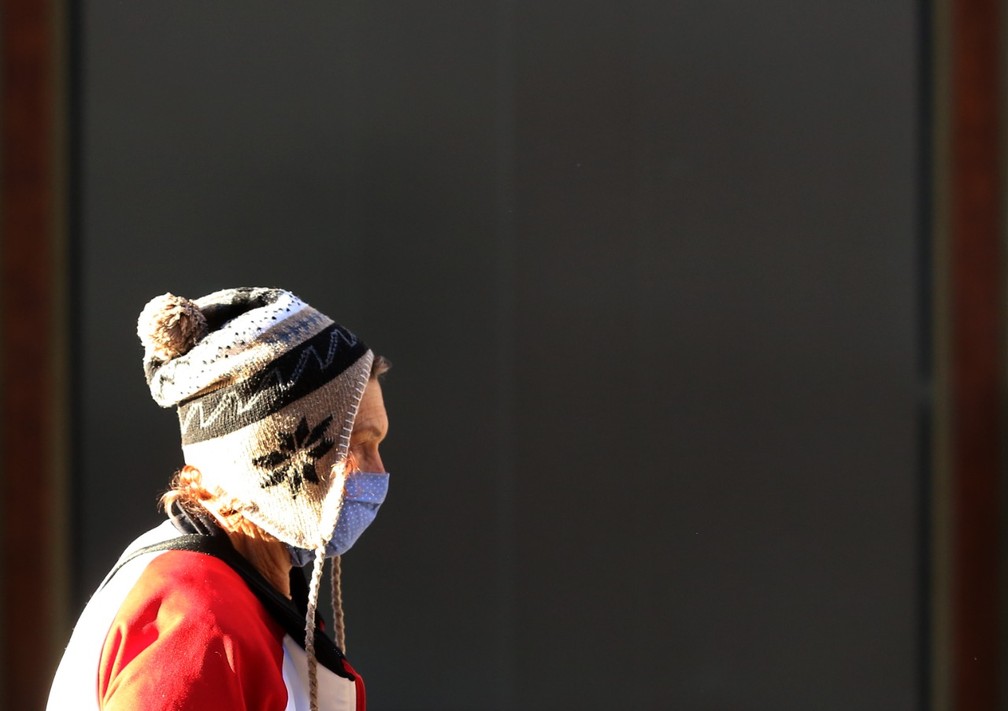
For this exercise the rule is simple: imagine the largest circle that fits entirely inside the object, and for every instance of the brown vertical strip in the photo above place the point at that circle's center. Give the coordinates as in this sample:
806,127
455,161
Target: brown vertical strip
976,314
27,212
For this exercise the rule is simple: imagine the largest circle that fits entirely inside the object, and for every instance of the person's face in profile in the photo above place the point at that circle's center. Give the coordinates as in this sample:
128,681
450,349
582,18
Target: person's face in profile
370,428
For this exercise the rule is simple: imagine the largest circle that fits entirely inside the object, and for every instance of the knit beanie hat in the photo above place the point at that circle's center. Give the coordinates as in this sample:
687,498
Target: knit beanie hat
267,389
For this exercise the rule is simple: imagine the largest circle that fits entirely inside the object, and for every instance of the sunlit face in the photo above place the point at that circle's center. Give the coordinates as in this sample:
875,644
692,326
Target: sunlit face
370,428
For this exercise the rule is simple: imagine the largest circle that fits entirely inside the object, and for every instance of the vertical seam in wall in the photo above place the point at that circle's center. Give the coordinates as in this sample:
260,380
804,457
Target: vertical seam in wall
939,684
59,556
73,304
504,128
925,360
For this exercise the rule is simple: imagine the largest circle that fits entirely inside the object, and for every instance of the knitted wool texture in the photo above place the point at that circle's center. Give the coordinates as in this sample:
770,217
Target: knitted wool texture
267,389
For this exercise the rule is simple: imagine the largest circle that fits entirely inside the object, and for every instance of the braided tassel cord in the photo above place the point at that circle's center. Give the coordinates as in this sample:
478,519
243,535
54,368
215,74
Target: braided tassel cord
313,593
330,515
336,587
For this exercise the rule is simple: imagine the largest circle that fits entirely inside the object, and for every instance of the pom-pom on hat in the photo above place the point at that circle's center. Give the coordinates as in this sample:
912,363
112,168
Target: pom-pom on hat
169,326
267,390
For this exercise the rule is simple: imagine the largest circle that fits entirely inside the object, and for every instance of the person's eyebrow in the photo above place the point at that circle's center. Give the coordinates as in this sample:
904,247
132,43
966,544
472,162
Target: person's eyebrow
368,429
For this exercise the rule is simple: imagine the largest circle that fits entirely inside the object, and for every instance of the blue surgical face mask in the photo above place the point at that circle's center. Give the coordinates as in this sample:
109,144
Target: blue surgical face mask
363,493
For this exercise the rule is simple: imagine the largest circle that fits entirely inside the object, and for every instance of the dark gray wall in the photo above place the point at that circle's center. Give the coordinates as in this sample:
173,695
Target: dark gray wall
647,274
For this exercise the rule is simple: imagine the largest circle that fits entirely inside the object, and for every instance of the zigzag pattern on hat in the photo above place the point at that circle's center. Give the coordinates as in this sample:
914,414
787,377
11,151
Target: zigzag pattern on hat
231,408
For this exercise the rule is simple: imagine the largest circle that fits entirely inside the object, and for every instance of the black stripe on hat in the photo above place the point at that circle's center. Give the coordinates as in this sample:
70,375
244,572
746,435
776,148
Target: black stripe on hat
288,378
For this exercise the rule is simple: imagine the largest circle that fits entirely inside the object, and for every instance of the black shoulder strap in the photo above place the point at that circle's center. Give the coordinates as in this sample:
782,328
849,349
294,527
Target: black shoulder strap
189,542
283,610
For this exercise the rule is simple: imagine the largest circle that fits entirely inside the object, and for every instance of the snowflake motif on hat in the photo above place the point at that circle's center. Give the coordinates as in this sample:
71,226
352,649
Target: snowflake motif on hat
293,462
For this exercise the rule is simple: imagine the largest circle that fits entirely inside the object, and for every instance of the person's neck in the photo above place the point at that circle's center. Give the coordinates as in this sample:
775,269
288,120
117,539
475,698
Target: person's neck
266,554
269,557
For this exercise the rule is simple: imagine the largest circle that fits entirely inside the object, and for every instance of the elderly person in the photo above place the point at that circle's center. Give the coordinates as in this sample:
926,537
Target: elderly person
281,416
